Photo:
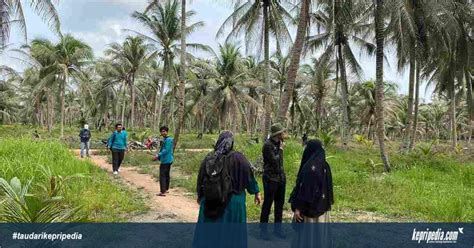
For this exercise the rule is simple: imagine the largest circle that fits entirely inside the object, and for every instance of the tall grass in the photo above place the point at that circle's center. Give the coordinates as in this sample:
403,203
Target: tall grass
101,198
420,188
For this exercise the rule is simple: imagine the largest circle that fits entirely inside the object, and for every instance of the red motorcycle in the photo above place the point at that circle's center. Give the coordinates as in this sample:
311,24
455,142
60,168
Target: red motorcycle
152,143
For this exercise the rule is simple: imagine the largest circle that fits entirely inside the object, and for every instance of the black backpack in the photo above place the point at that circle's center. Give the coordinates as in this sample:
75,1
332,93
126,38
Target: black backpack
216,184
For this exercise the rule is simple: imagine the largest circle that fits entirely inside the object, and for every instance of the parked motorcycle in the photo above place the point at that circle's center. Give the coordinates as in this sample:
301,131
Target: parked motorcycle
152,143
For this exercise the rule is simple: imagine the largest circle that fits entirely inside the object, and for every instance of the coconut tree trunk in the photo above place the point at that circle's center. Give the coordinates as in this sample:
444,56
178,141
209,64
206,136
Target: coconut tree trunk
247,120
344,96
203,122
222,121
123,103
318,109
292,116
470,103
452,115
416,106
106,120
379,87
172,109
132,95
116,107
182,76
281,84
266,79
37,113
251,122
411,85
62,96
295,59
162,91
318,119
49,111
368,127
156,98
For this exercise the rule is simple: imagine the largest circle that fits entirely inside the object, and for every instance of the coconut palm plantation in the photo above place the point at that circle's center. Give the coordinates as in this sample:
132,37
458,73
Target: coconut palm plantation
386,86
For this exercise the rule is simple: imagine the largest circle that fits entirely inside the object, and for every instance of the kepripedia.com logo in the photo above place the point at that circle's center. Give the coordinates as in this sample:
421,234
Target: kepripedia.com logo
438,236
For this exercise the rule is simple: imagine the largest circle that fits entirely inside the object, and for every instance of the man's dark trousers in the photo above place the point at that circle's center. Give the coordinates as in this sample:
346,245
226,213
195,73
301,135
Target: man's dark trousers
273,192
164,177
117,158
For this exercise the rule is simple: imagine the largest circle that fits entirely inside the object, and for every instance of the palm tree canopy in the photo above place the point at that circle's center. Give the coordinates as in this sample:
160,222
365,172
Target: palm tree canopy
12,12
247,19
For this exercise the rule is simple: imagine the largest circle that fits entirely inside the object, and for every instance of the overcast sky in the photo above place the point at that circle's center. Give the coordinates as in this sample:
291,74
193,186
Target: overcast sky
101,22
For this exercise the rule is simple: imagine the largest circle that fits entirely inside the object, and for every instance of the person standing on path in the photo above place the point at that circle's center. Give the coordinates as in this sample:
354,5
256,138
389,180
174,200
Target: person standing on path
224,178
85,136
312,196
165,156
117,144
274,180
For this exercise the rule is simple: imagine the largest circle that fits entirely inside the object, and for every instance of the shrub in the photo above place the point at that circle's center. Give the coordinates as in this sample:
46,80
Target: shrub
20,206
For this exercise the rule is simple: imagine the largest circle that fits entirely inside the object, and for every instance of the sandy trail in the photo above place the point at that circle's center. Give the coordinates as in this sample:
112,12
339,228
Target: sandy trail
174,207
95,151
177,206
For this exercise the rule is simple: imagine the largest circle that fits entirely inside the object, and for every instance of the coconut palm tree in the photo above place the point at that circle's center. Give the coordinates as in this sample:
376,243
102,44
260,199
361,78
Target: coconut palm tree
110,74
202,72
12,12
163,22
250,18
228,93
449,53
68,56
182,76
295,55
407,31
341,26
279,65
255,88
379,85
19,205
8,101
320,72
39,84
135,56
366,103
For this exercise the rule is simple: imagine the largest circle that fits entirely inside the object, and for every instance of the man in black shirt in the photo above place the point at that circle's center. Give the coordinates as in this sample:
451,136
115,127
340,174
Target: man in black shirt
274,180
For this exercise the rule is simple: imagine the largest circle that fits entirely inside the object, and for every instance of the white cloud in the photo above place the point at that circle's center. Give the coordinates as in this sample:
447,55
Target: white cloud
107,32
132,3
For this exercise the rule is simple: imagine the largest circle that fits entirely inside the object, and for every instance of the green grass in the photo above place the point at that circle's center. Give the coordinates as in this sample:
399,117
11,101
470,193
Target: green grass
420,187
103,199
438,188
70,139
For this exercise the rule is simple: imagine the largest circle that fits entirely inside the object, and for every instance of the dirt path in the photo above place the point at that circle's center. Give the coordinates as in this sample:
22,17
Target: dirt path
95,151
175,207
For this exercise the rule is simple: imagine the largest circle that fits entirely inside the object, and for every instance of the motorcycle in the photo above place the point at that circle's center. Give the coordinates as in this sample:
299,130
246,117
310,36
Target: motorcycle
152,143
136,145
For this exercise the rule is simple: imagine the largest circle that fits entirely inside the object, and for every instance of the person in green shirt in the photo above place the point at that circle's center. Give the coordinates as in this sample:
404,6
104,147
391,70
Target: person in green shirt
165,156
117,144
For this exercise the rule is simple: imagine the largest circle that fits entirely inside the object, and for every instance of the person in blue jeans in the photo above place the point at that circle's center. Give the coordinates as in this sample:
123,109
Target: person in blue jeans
117,144
85,135
165,156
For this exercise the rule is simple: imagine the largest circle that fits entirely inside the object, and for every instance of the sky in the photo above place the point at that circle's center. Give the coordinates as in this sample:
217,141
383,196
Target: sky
101,22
